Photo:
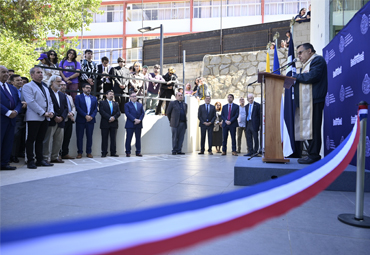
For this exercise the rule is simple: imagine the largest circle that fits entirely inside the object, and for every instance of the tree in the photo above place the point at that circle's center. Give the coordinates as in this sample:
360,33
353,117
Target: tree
26,24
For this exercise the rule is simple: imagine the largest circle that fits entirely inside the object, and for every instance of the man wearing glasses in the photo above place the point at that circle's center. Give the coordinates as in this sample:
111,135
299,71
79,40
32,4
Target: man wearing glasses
87,108
135,113
153,88
309,91
120,86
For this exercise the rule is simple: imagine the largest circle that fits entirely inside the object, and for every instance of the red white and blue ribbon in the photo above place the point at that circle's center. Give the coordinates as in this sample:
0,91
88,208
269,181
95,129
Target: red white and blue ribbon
362,111
171,227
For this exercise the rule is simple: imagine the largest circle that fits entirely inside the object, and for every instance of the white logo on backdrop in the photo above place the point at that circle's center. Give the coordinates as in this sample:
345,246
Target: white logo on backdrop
353,119
357,59
364,24
341,93
329,143
366,84
327,57
337,122
341,44
367,150
337,72
345,93
329,99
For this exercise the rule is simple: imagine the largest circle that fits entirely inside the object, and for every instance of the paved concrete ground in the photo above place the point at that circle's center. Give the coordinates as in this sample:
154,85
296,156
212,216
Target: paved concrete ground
89,187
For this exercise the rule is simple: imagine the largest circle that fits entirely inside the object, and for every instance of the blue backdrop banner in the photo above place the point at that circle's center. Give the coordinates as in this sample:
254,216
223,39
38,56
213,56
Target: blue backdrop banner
348,59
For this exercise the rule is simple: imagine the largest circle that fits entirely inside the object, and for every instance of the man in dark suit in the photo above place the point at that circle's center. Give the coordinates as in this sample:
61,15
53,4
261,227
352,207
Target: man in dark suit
253,112
20,124
54,135
135,113
206,116
176,114
120,85
39,112
229,115
110,112
87,108
10,107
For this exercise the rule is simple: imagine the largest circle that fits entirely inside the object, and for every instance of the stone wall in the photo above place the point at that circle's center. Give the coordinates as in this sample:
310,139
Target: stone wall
301,33
231,73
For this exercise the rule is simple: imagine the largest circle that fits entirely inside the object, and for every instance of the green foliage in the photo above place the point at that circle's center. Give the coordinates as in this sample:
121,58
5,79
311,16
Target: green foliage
26,24
17,54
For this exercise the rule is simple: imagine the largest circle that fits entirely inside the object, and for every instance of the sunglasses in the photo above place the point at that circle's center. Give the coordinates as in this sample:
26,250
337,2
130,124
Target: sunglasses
121,61
53,54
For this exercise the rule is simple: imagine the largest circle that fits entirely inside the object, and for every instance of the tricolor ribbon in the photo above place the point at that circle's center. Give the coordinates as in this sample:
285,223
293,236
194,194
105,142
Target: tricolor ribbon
171,227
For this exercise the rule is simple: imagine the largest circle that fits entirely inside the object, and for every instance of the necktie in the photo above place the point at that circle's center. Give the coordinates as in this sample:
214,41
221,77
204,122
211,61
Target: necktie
249,112
229,115
69,105
111,107
11,99
207,111
135,106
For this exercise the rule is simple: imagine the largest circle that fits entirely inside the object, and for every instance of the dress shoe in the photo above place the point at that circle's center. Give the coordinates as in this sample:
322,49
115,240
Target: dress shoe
248,154
235,153
14,159
307,160
114,155
201,153
57,161
89,155
139,155
103,155
7,167
79,156
238,151
43,163
174,153
210,153
223,153
31,165
68,157
181,153
128,155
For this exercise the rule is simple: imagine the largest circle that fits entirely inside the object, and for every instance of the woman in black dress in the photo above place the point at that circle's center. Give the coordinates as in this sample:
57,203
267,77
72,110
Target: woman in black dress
217,129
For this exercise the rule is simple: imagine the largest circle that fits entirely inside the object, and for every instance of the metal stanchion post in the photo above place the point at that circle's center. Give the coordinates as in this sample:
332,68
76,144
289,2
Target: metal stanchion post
358,219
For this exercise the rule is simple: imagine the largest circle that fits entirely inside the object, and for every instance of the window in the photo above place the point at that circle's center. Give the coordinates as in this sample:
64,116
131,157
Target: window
108,47
158,11
134,45
277,7
230,8
112,13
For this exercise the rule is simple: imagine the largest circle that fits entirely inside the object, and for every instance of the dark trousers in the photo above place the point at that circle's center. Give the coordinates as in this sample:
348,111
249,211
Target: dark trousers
67,137
19,137
129,133
36,131
121,102
178,134
225,132
240,131
7,136
314,145
80,130
203,131
167,93
252,136
111,132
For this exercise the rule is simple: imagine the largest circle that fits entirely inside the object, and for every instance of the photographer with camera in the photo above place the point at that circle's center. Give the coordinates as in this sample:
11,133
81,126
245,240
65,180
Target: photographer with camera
167,90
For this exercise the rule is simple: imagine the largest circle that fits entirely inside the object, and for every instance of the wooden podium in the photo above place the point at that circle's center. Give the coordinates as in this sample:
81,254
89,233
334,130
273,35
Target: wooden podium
274,85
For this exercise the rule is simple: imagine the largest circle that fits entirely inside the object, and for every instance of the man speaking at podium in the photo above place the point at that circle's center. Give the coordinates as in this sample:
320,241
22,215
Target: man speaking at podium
309,94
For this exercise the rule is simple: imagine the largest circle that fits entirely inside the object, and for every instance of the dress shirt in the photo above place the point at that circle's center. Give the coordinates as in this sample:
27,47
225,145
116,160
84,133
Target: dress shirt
134,105
88,103
250,112
57,97
242,116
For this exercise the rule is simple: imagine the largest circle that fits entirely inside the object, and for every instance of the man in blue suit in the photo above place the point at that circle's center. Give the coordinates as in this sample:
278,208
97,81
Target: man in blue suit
229,115
135,113
87,108
10,107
